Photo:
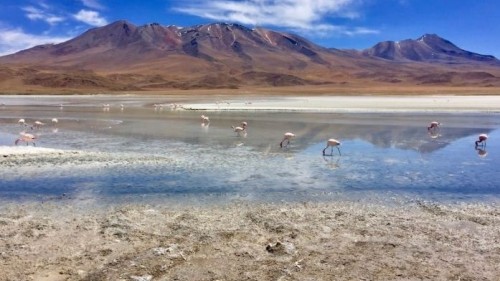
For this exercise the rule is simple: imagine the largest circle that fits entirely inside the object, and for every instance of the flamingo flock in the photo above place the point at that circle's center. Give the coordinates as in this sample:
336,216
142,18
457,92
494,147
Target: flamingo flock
240,130
30,138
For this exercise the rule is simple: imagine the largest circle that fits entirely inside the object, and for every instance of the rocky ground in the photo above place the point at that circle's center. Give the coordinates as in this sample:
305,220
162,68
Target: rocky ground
61,240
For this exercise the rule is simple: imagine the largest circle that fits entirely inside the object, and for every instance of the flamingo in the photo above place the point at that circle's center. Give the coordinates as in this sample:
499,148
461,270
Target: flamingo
287,137
434,125
22,122
482,140
27,138
332,143
37,125
55,121
238,130
205,119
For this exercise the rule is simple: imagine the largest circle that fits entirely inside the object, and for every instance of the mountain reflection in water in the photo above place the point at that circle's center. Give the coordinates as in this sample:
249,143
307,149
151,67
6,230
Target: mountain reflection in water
381,152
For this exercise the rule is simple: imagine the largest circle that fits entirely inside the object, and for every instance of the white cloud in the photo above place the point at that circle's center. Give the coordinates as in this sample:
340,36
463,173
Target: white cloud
298,15
90,17
38,14
94,4
13,40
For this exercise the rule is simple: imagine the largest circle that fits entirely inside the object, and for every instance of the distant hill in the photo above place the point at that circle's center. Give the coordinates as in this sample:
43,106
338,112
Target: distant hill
122,56
428,48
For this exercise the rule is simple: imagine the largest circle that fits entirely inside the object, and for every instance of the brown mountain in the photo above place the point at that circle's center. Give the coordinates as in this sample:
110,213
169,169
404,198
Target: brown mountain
428,48
122,56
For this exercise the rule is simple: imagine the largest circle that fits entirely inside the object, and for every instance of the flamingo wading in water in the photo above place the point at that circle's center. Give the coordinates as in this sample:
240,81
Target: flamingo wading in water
287,137
332,143
205,119
433,126
37,125
240,129
27,138
482,140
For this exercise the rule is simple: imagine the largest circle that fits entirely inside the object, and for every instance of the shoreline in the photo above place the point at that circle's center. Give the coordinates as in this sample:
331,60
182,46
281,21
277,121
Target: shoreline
355,104
283,103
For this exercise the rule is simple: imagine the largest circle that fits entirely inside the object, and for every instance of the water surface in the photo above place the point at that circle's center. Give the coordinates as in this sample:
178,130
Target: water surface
162,154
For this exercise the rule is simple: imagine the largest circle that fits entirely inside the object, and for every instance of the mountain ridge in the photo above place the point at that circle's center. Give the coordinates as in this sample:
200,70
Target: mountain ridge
428,47
122,56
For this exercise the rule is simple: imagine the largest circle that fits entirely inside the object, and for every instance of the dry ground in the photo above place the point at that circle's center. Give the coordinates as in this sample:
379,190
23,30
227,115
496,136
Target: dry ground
308,241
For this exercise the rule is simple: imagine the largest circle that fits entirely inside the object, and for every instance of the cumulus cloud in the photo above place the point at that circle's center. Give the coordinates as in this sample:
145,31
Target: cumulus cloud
298,15
34,13
90,17
13,40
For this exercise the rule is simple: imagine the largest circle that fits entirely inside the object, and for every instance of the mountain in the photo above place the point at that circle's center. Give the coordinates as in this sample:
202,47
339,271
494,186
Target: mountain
428,48
122,56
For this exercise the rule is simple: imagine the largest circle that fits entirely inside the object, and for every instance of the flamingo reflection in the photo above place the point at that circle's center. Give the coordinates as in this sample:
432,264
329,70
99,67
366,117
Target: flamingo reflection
481,152
331,162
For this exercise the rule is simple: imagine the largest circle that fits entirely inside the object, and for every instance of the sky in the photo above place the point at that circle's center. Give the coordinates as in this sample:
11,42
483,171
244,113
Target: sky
473,25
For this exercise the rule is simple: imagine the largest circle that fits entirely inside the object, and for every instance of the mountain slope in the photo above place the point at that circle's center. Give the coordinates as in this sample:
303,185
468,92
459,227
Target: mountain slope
428,48
122,56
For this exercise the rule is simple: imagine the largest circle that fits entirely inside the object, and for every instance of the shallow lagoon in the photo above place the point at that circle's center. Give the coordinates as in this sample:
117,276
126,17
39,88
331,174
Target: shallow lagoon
151,153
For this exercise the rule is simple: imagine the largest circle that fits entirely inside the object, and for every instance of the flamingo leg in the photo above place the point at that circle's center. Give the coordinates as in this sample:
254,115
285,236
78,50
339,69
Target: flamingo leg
324,150
283,144
339,150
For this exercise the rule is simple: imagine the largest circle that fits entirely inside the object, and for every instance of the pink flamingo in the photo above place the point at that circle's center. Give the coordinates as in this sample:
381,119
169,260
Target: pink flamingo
37,125
332,143
434,125
205,119
482,140
22,122
287,137
240,129
27,138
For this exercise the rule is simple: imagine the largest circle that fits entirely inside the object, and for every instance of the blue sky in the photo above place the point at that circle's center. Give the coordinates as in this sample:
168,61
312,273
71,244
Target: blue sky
472,25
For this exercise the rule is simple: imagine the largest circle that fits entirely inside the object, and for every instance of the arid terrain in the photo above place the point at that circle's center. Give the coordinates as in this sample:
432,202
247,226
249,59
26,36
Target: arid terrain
312,241
123,57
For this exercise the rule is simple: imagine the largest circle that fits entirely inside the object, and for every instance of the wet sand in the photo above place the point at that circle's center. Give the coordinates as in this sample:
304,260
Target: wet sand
69,239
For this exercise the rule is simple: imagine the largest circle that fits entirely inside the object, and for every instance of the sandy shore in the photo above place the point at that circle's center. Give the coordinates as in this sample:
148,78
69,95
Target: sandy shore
354,103
321,241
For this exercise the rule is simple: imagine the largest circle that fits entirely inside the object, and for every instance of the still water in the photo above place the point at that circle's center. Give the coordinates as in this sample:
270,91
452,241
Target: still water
150,153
